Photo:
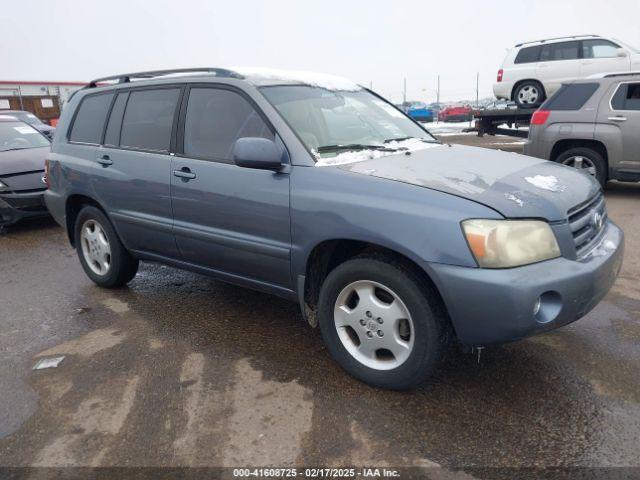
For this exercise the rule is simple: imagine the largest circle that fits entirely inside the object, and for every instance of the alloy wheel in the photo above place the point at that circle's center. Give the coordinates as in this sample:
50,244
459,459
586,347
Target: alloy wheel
581,163
374,325
528,95
95,247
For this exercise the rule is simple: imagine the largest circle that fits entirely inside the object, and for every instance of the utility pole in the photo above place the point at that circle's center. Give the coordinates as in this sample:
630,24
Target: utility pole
370,84
478,90
404,91
438,92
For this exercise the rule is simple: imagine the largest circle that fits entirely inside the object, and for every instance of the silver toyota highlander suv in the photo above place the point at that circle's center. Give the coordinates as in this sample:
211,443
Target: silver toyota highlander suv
593,125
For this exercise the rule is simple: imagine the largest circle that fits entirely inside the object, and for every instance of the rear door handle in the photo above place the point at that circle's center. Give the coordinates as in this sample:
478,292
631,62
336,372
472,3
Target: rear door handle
105,161
185,173
618,119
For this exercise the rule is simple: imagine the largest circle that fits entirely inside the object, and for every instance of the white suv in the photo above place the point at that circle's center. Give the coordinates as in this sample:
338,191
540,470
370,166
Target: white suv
533,71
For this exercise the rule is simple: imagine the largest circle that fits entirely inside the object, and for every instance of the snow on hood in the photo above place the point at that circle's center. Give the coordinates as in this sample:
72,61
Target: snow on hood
352,156
322,80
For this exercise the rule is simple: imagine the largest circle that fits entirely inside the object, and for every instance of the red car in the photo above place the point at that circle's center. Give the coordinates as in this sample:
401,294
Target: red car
455,114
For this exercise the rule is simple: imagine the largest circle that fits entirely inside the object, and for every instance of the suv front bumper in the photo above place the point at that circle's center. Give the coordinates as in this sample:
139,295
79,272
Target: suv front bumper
494,306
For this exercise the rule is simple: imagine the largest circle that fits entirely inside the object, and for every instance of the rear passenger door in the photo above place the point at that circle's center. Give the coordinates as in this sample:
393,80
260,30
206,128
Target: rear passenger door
619,124
559,62
133,168
227,218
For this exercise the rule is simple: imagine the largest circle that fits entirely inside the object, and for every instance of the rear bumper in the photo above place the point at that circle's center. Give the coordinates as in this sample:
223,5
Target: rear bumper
15,206
502,90
494,306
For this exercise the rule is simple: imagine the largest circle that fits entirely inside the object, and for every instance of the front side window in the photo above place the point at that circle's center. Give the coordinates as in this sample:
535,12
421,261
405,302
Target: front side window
148,119
560,51
627,97
20,136
599,49
215,119
89,121
329,122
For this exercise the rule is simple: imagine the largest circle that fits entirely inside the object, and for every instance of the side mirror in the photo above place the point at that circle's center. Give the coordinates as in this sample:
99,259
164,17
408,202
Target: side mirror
255,152
621,52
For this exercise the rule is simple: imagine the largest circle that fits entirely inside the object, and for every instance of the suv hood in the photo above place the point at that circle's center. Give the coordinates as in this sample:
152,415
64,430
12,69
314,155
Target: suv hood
514,185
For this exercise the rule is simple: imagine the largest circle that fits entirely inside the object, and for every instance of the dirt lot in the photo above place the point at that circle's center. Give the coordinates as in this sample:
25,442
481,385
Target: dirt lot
181,370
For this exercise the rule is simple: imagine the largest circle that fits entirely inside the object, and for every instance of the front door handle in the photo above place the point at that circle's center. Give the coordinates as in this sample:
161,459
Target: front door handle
185,174
105,161
618,119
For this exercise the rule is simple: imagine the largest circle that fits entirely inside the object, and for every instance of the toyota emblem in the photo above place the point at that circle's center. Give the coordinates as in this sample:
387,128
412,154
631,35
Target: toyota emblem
597,220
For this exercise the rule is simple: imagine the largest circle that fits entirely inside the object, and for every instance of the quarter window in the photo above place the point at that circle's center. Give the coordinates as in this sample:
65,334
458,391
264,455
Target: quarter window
528,55
215,119
571,96
627,97
599,49
560,51
89,121
148,119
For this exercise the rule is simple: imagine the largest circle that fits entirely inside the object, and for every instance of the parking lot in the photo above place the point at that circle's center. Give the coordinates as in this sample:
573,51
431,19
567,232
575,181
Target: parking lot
178,369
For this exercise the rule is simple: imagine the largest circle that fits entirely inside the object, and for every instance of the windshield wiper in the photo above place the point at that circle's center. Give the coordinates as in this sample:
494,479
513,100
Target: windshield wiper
354,146
401,139
13,149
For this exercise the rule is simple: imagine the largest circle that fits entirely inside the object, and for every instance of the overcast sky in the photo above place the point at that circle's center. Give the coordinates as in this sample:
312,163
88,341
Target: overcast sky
365,40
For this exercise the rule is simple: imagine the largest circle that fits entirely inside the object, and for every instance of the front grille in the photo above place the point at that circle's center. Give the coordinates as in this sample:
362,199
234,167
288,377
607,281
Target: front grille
587,222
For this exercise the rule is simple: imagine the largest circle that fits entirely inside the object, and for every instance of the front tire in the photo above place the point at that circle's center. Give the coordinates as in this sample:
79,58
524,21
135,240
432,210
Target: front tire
529,94
382,323
103,257
586,160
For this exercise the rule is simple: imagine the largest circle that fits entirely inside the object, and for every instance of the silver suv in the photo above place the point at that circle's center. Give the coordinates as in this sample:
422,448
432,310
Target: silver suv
592,125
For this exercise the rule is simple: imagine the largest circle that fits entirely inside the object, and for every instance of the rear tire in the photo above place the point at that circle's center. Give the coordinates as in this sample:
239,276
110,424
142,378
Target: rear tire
409,349
104,258
587,160
529,94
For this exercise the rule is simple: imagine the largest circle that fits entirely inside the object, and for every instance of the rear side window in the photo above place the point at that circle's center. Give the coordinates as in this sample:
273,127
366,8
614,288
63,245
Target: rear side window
571,97
215,119
528,55
560,51
148,119
627,97
89,120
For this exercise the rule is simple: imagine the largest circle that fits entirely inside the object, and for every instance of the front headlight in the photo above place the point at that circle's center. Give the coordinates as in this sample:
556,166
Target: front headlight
510,243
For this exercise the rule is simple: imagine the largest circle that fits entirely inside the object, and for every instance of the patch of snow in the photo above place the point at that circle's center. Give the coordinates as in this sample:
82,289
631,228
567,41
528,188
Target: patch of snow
546,182
353,156
448,128
322,80
604,248
513,198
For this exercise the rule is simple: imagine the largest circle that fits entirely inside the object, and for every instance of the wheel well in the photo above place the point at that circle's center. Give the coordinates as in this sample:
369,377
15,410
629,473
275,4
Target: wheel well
515,87
563,145
74,204
329,254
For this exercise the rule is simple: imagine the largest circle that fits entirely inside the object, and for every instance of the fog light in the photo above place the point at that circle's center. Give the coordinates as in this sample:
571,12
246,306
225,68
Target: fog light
547,307
536,306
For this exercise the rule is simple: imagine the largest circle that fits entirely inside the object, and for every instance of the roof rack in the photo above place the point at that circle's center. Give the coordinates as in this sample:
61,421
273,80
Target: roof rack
127,77
557,38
